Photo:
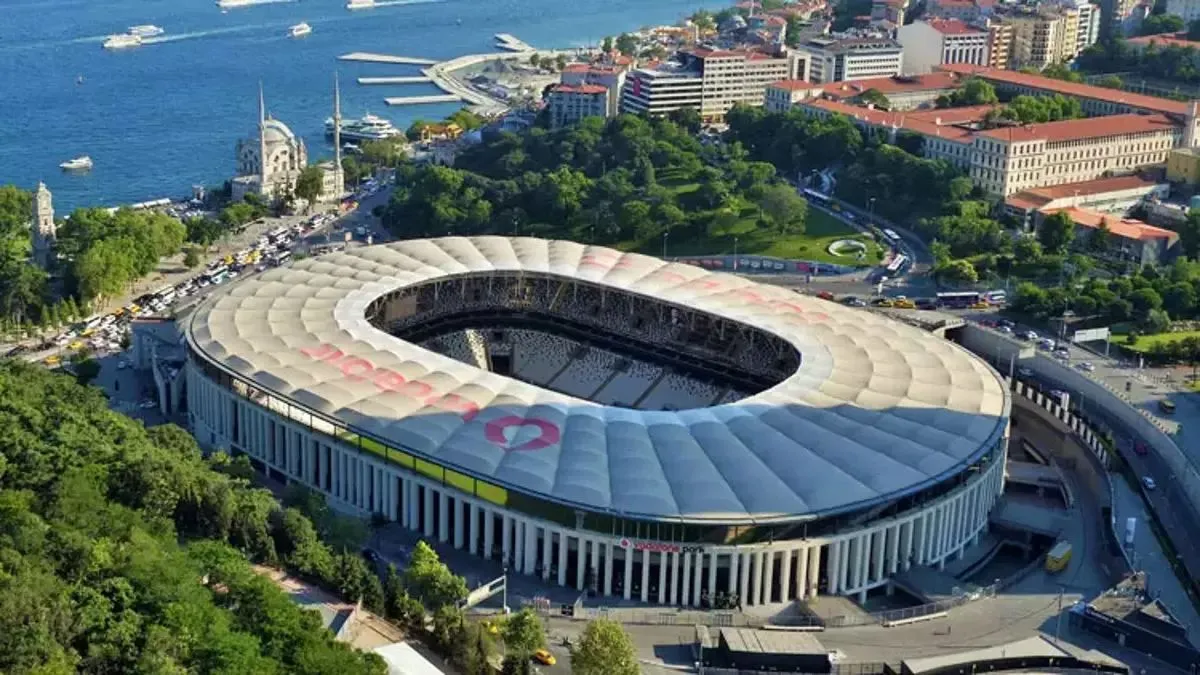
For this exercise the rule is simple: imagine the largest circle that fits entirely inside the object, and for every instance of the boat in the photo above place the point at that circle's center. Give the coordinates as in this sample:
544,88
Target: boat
125,41
300,30
369,128
146,31
360,4
83,163
225,4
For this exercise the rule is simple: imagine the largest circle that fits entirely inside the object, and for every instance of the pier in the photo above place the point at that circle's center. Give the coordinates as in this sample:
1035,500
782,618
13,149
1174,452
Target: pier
414,100
368,57
404,79
511,43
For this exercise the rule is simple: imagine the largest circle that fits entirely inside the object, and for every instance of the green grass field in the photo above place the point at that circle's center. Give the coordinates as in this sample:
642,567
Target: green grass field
1145,342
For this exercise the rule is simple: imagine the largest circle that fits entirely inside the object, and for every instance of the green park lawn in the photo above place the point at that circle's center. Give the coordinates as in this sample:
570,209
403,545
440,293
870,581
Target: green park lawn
1145,342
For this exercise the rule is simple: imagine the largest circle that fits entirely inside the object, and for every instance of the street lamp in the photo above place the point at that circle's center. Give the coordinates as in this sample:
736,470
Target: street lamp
735,258
871,206
665,235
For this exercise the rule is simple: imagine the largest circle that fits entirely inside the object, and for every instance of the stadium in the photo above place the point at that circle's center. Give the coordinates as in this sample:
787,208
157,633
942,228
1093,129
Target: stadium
607,421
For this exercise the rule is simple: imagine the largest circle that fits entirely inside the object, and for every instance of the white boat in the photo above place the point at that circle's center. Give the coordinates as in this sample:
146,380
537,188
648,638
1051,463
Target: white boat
225,4
360,4
300,30
369,128
146,31
83,163
125,41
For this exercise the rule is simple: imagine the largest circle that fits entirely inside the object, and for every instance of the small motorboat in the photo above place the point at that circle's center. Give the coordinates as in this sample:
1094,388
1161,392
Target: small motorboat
299,30
83,163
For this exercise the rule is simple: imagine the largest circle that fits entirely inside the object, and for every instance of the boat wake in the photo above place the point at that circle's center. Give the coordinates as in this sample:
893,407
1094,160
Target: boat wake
188,36
397,3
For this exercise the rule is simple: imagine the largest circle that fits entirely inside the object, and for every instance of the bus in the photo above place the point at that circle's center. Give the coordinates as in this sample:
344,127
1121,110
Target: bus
1059,557
817,197
281,258
897,264
891,235
958,299
996,297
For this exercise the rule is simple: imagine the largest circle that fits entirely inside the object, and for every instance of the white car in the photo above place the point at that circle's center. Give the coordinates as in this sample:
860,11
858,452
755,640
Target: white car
1087,366
1149,482
1029,335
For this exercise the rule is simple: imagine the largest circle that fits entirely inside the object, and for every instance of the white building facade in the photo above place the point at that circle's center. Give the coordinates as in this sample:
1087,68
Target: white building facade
439,504
834,60
934,42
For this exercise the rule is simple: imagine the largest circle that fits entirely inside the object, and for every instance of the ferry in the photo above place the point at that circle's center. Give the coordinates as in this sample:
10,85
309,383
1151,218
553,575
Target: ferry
146,31
369,128
299,30
125,41
83,163
226,4
360,4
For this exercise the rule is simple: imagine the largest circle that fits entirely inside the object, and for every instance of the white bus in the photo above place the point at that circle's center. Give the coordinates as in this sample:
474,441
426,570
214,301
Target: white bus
891,235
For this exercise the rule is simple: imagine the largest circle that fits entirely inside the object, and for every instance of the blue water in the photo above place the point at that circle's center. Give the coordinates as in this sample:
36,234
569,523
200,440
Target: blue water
162,117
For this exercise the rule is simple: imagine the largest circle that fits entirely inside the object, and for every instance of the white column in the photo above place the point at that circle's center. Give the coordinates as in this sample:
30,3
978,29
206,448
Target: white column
646,575
443,533
801,574
697,584
662,577
489,537
785,575
769,578
627,588
760,585
531,532
835,559
472,530
460,522
581,564
734,558
413,496
712,576
608,567
506,529
893,542
814,570
686,587
845,566
595,566
547,552
674,578
744,577
563,546
856,557
878,546
429,530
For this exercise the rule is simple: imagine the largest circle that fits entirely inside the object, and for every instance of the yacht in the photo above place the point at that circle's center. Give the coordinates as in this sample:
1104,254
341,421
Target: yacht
299,30
146,31
78,164
369,128
360,4
123,41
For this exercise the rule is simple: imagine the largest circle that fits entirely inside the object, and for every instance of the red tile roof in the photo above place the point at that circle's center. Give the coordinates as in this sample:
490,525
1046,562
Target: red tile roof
579,89
922,123
794,85
954,27
893,85
576,68
1076,130
1013,77
1036,198
1126,228
1164,40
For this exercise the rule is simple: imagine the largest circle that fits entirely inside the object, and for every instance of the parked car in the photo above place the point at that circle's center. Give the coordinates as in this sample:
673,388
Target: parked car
1149,482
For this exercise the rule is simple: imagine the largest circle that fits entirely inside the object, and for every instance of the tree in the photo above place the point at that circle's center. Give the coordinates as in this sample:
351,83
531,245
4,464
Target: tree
783,208
429,580
1157,24
604,648
627,44
309,184
86,370
874,97
190,257
535,60
523,633
1111,82
1056,232
607,45
975,91
560,62
1100,239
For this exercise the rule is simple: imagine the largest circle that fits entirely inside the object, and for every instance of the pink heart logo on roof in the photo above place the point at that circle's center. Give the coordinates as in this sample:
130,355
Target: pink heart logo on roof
498,432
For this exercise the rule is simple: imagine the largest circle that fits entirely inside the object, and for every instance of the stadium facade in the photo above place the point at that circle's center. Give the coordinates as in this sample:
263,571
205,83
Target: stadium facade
606,420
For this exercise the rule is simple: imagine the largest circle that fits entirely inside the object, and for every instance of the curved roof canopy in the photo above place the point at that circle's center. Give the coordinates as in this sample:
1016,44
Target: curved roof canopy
876,410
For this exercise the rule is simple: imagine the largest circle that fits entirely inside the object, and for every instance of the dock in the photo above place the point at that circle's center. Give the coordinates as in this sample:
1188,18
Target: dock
369,57
511,43
415,100
404,79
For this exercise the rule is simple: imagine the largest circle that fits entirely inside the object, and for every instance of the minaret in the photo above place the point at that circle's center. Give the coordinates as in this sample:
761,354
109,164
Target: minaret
1190,121
44,232
262,141
339,180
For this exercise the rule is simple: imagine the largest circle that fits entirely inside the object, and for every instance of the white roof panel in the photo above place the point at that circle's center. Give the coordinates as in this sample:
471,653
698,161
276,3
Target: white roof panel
877,409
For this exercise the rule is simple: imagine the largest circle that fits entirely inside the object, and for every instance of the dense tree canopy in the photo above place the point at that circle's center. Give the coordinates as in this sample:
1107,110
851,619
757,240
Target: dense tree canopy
604,649
93,577
1170,63
104,252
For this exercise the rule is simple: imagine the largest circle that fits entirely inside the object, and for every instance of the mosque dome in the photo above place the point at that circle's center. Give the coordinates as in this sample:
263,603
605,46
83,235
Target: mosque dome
276,132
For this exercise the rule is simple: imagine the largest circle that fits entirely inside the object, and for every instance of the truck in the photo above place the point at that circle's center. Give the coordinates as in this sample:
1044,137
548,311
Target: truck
1059,557
1130,531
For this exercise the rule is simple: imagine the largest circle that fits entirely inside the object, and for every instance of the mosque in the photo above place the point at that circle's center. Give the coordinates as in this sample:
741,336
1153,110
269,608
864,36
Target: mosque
270,161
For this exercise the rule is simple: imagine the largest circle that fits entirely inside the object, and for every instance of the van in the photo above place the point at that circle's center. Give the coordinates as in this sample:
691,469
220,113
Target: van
1059,557
1166,406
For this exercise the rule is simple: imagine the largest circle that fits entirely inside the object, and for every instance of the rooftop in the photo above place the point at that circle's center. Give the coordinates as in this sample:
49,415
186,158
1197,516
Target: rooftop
875,410
1016,78
593,89
893,85
794,85
1125,228
939,123
845,44
954,27
1164,40
1036,198
1082,129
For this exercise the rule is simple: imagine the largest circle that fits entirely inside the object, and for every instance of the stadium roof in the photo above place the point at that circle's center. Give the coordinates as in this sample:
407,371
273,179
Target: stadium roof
876,409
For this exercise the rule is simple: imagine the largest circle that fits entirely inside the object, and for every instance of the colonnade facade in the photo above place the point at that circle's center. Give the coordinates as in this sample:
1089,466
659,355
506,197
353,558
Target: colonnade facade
662,572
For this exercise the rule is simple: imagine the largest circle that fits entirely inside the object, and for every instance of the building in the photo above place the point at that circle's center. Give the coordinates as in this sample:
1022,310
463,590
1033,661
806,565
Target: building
710,81
1115,195
43,232
1000,39
270,160
1183,166
1118,17
782,95
962,10
1038,38
1162,41
362,386
908,92
1188,10
1089,25
832,59
610,76
933,42
1130,241
569,103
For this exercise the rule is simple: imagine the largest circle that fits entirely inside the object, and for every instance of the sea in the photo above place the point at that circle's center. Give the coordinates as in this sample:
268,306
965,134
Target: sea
162,117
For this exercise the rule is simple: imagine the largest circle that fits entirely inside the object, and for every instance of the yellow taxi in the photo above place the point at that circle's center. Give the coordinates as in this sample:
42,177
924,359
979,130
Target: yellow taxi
904,304
885,302
52,360
544,657
982,304
76,345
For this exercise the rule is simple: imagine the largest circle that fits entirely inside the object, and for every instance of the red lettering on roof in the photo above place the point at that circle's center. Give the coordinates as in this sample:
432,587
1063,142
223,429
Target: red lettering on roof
325,352
356,368
548,433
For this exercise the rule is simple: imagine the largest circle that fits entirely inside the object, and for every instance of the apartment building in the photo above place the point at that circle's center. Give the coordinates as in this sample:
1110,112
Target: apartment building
569,103
933,42
711,81
833,59
781,96
963,10
1037,38
609,76
1000,39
